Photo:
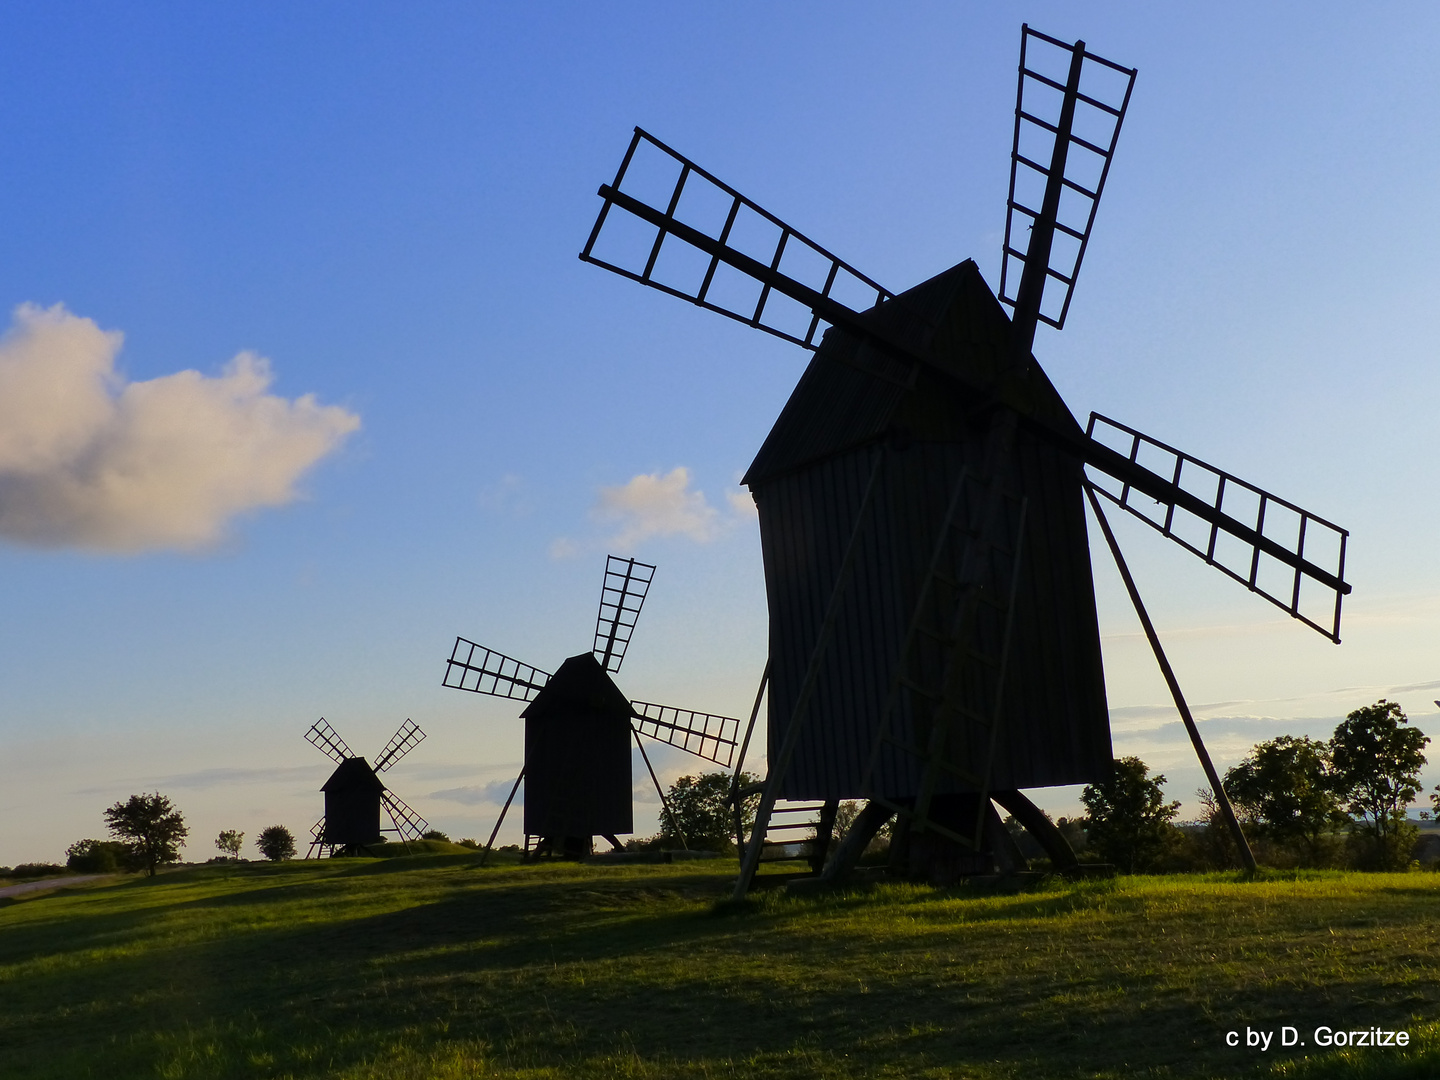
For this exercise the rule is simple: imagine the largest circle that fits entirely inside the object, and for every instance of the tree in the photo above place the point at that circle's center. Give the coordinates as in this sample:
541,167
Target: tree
700,810
1128,819
434,834
276,843
1286,786
845,815
228,843
1376,761
153,828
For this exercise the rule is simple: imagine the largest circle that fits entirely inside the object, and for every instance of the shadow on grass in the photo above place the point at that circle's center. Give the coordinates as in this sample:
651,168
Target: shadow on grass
552,968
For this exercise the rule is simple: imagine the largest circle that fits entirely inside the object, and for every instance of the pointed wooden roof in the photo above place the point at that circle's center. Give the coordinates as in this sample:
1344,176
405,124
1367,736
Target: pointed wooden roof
581,684
853,393
352,773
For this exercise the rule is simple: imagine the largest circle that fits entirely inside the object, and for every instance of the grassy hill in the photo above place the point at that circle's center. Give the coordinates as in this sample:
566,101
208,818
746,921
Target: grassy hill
428,967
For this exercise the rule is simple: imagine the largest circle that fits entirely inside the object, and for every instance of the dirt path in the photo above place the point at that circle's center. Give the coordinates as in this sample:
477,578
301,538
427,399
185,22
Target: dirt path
53,883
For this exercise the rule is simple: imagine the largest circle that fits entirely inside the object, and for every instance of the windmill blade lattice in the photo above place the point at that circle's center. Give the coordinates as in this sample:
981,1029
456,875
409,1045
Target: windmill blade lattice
724,252
328,740
702,734
401,743
622,594
1264,542
406,821
484,671
1082,175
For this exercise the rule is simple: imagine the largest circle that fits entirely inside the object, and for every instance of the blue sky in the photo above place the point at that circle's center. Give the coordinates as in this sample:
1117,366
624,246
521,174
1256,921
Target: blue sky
386,202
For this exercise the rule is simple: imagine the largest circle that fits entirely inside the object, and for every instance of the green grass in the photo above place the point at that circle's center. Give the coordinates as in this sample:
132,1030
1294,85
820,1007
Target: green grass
427,967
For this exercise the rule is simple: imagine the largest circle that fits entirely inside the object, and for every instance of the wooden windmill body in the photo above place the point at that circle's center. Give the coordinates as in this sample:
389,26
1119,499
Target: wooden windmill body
933,637
352,805
922,441
577,755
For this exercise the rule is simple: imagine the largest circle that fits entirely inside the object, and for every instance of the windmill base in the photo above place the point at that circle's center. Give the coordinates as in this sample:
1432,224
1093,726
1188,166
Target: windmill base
567,847
922,854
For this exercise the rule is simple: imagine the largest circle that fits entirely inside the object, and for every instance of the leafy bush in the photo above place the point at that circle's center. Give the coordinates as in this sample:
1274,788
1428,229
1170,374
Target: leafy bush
38,870
1128,821
99,856
434,834
700,811
276,843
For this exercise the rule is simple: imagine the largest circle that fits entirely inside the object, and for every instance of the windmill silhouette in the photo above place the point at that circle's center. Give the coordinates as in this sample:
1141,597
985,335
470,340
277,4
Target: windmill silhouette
579,725
933,638
355,795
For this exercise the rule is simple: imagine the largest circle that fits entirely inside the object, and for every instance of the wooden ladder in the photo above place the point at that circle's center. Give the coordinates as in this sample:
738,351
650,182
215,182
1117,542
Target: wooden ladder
964,617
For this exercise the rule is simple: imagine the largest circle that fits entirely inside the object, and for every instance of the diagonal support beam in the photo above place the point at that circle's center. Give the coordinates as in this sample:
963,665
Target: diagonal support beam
1228,811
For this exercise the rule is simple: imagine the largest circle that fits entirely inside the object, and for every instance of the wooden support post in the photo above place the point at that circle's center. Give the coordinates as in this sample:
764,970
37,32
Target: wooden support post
503,811
665,806
736,799
1228,811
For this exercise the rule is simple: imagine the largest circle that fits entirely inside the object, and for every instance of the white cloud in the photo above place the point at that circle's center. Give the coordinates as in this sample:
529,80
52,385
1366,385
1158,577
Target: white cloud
88,459
654,505
743,503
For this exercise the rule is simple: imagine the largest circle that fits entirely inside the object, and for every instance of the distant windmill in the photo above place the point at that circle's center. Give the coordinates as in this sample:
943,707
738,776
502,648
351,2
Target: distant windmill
578,725
933,637
354,794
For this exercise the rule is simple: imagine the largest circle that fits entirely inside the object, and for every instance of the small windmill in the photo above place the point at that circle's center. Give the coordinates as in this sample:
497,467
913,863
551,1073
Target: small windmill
578,725
934,644
355,795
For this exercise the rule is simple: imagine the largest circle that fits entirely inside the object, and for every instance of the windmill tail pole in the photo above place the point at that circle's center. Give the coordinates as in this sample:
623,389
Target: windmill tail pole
503,811
664,805
1228,811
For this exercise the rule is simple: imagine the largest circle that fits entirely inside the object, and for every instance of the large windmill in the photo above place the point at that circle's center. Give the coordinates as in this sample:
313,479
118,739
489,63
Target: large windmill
355,794
933,637
578,724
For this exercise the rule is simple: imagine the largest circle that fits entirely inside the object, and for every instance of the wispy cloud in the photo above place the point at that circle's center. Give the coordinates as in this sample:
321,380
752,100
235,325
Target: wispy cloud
493,793
91,460
743,503
656,505
563,547
208,779
652,504
508,497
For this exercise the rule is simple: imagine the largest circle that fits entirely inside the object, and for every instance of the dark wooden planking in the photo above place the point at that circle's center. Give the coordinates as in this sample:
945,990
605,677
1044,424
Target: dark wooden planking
352,804
577,755
808,480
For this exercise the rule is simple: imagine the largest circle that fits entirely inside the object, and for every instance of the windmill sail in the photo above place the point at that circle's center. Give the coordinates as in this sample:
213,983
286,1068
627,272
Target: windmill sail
484,671
403,741
1271,546
702,734
408,823
1075,132
622,594
714,247
328,740
1062,431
